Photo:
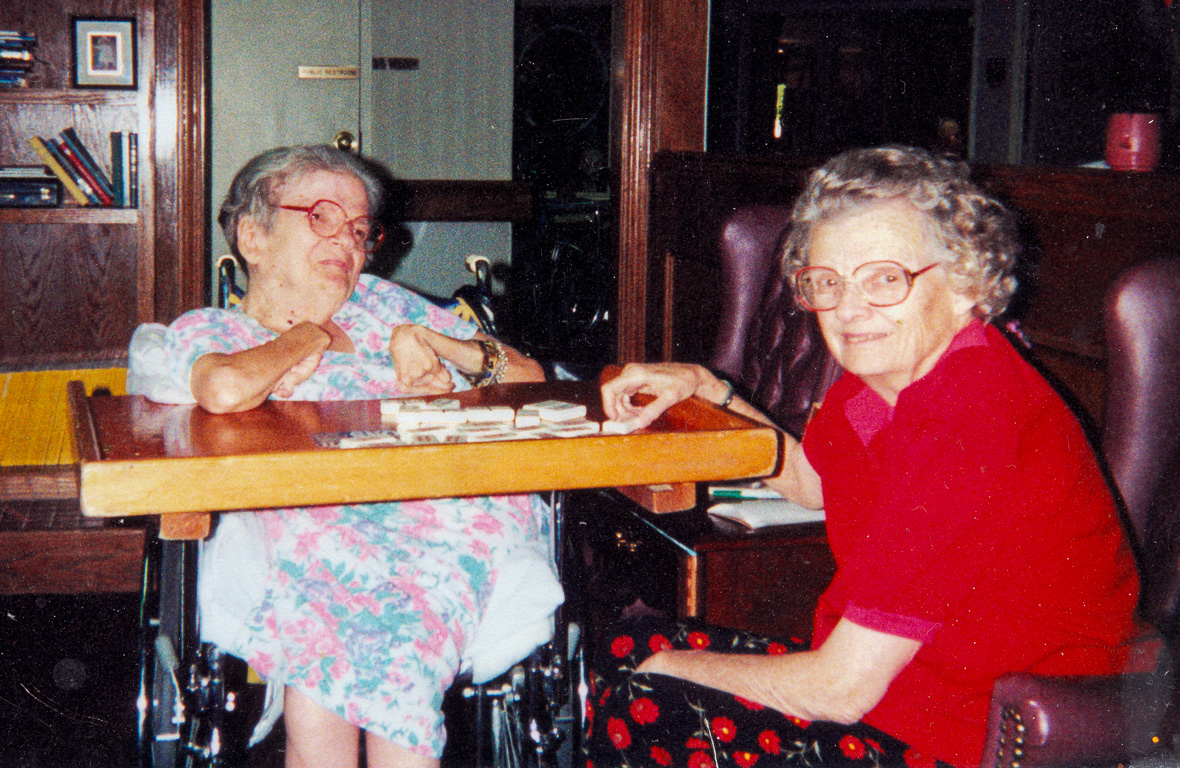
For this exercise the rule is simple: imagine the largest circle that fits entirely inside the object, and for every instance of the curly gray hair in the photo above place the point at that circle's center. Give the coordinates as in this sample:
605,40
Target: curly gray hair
256,188
975,227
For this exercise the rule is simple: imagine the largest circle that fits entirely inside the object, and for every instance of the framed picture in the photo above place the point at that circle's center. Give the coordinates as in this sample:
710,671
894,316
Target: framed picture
104,52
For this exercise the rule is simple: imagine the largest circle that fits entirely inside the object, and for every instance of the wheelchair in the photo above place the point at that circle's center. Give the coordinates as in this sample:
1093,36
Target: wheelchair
193,704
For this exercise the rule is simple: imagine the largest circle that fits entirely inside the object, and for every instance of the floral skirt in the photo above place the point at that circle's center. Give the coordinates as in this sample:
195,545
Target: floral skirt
656,720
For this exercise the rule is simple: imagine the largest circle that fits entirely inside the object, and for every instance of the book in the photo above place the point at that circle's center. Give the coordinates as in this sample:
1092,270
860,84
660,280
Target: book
25,172
66,179
82,170
742,490
760,513
55,166
132,164
70,139
117,183
84,185
30,193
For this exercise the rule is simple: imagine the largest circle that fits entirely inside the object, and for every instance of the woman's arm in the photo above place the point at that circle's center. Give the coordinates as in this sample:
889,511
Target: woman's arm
418,352
840,681
228,383
671,383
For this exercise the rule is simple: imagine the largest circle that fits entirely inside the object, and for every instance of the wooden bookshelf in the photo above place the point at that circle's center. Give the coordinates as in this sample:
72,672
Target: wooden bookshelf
79,279
76,281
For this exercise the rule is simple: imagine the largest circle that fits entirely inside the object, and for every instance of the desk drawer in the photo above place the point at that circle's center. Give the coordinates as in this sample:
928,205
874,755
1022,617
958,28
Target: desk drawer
684,564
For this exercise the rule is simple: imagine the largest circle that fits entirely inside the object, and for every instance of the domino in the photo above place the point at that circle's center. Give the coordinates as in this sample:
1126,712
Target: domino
369,440
619,426
572,428
411,419
395,406
555,410
525,420
490,414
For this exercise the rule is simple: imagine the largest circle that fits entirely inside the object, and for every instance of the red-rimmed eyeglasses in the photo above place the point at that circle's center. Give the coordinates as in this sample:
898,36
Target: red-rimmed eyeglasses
327,218
882,283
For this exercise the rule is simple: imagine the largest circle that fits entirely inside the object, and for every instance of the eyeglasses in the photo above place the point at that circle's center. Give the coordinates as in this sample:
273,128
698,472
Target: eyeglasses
327,218
882,283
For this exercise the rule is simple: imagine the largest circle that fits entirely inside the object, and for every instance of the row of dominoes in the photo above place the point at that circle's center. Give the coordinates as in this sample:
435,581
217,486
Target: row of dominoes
408,414
420,422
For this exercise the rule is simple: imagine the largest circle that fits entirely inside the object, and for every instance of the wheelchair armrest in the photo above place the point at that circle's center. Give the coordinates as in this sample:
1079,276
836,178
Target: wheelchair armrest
1075,720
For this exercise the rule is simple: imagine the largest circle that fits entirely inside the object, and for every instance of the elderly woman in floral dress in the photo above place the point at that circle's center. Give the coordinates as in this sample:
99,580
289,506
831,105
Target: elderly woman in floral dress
362,612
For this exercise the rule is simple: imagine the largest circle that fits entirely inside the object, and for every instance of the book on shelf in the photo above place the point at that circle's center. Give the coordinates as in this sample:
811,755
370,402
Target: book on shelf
81,169
84,185
132,179
70,139
67,180
25,172
16,58
124,169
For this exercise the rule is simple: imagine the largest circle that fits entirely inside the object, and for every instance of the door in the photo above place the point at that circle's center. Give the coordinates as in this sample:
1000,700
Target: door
282,73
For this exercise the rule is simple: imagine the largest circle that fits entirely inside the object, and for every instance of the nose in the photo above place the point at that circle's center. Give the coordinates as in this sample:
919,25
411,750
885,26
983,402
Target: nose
853,304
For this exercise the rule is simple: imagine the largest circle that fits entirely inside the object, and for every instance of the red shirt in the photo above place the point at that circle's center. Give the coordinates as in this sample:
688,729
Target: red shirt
971,516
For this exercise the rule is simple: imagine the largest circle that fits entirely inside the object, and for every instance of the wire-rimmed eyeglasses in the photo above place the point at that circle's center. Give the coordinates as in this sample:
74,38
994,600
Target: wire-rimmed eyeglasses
327,218
882,283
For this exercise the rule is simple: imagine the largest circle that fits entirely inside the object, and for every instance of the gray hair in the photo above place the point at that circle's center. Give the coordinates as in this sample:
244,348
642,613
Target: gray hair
256,189
975,227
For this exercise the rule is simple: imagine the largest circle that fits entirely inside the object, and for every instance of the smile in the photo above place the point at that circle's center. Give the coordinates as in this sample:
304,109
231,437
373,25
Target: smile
863,338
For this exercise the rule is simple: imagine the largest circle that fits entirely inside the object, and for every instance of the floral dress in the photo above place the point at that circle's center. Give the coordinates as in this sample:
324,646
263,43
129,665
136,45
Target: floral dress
367,609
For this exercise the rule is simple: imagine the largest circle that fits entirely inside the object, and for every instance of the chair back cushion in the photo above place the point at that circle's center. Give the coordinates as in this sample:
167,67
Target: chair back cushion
770,348
1141,429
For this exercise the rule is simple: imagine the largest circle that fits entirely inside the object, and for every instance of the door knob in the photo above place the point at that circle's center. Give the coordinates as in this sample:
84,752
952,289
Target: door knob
346,142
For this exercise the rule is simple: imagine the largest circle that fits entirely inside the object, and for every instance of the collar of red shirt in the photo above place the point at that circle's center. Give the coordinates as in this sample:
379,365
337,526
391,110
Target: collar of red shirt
868,413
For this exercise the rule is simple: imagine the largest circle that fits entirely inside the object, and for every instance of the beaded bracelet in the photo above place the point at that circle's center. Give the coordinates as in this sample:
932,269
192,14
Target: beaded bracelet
495,361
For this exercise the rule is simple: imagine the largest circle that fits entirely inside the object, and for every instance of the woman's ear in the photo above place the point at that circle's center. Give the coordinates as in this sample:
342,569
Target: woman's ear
963,303
250,234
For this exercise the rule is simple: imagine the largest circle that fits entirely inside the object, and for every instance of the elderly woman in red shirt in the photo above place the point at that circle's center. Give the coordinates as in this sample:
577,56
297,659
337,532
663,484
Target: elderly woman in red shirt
973,531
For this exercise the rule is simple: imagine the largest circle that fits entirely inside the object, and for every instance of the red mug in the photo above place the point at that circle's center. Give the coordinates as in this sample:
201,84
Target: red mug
1133,141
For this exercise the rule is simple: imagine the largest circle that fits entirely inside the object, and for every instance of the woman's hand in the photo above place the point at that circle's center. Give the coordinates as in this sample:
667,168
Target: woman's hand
418,353
298,374
417,362
229,383
669,383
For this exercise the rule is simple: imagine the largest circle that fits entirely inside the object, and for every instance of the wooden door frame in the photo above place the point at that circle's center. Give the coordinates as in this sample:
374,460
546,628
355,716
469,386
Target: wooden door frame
660,70
178,280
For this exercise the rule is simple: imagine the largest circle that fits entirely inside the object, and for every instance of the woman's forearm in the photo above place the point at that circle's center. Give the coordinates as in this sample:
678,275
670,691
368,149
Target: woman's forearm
228,383
468,357
840,681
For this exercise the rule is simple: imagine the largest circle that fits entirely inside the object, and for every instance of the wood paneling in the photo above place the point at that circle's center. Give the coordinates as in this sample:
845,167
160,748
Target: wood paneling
658,102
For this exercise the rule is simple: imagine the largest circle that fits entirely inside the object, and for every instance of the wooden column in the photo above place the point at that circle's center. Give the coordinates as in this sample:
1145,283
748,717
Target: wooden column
659,55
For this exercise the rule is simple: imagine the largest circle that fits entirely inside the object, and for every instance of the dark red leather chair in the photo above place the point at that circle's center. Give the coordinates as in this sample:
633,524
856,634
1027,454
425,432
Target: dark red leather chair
1109,720
786,369
770,349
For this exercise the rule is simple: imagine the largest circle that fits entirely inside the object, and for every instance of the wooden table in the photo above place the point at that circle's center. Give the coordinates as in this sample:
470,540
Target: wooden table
181,462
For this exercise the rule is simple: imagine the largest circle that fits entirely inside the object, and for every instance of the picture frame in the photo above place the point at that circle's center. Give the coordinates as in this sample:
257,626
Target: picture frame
104,52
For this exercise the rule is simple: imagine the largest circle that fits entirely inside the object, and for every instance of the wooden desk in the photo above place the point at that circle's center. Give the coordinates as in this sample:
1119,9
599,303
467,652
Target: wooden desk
690,564
137,457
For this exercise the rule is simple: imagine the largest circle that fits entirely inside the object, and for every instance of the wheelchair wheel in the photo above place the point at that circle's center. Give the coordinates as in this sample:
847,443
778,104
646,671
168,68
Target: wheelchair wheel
165,639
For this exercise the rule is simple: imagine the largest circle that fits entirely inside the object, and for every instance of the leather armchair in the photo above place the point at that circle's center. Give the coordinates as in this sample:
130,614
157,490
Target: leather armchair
1107,720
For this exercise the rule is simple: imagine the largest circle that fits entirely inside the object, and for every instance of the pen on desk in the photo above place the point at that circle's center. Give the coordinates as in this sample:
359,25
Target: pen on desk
744,493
